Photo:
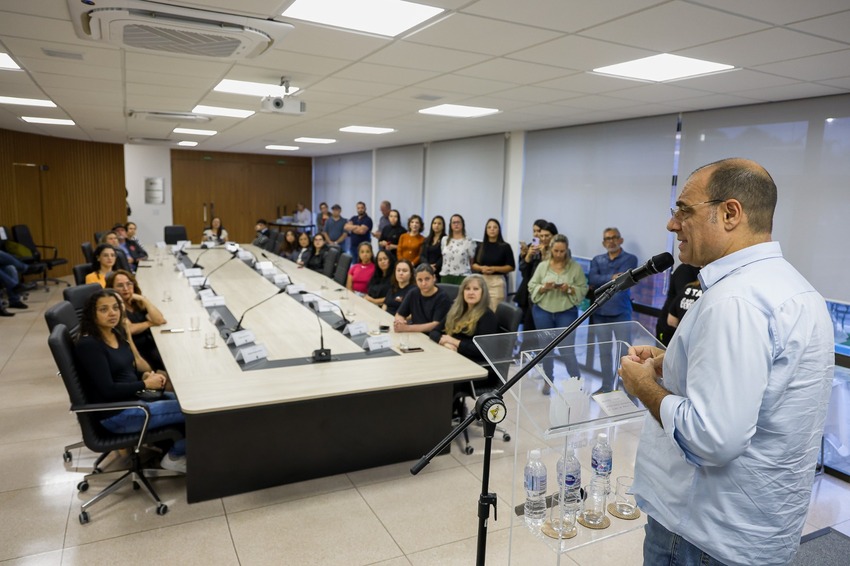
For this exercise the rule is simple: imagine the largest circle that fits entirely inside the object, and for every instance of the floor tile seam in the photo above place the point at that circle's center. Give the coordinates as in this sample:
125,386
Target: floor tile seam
230,532
383,525
69,481
273,503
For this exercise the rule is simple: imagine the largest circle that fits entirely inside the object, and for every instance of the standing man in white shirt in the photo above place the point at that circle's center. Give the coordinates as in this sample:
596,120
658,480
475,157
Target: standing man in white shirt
303,216
726,460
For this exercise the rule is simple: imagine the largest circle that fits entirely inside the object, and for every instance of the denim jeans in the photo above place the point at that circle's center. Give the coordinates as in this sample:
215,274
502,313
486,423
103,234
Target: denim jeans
163,413
543,320
611,352
664,548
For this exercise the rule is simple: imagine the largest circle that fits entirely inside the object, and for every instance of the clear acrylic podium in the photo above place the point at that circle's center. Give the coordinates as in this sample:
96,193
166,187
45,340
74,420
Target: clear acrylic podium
554,409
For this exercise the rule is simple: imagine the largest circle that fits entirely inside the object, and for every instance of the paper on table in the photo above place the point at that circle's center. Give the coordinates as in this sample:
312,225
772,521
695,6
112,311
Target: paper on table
615,403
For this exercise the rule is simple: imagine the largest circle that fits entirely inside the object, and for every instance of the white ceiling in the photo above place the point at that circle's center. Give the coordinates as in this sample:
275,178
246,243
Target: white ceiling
528,58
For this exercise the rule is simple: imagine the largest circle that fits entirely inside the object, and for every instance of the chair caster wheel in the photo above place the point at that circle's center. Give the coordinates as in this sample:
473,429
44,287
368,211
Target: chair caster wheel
66,457
161,509
84,518
83,486
136,486
468,450
506,437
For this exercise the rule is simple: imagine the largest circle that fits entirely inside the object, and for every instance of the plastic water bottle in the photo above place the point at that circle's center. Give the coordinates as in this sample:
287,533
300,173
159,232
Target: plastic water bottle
569,476
535,490
601,460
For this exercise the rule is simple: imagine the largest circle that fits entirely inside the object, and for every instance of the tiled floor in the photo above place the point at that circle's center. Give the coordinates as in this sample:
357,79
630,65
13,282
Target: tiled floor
380,516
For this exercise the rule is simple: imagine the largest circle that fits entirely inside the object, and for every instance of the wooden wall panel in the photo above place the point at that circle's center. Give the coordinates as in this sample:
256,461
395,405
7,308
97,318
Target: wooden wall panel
243,187
81,189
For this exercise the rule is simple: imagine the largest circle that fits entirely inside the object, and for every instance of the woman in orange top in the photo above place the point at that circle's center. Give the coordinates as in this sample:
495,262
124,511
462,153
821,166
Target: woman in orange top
410,243
104,261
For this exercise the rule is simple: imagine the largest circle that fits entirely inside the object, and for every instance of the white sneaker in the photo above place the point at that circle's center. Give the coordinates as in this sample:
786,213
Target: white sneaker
174,464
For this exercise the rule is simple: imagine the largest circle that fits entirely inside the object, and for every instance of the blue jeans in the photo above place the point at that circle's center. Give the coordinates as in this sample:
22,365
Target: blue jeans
664,548
9,280
543,320
608,357
163,413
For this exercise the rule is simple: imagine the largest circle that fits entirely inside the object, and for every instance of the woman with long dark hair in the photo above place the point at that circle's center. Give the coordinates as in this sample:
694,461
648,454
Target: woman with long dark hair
112,370
432,250
103,264
142,314
216,232
400,286
458,251
494,259
379,284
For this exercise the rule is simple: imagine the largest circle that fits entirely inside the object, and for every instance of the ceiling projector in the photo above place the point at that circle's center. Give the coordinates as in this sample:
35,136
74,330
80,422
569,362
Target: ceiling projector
283,105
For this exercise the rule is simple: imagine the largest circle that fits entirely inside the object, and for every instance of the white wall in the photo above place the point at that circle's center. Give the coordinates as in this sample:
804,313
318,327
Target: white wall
140,162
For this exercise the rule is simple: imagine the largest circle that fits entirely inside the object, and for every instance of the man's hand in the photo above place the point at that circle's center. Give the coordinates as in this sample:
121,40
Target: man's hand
640,370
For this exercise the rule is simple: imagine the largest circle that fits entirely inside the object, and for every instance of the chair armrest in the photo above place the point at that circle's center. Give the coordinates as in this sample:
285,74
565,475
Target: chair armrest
99,407
54,248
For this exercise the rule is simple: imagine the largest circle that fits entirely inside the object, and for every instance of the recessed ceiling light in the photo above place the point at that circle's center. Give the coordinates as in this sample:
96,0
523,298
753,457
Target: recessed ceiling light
459,111
664,67
7,63
315,140
187,143
382,17
219,111
366,130
194,132
55,121
27,101
283,147
254,89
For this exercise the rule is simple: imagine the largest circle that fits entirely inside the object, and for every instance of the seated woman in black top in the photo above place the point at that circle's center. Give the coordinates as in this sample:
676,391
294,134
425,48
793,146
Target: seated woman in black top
400,286
391,233
469,316
302,256
289,249
142,314
320,258
381,280
112,370
424,309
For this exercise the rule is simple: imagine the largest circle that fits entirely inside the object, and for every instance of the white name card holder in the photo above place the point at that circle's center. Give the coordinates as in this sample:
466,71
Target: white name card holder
380,342
356,328
281,280
180,267
161,245
251,353
261,266
180,245
241,338
328,306
232,247
310,298
295,289
206,293
214,301
215,318
196,281
193,272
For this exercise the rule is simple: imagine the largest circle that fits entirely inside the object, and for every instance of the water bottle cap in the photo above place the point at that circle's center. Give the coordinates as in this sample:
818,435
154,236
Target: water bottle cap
534,454
603,438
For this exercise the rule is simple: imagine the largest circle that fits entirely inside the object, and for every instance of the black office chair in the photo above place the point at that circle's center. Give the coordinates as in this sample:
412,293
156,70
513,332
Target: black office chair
174,234
21,234
88,252
449,289
508,317
98,236
279,238
332,262
97,438
78,296
80,271
121,260
343,264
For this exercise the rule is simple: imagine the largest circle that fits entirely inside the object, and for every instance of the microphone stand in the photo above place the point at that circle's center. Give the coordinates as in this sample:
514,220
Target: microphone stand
238,326
207,278
490,409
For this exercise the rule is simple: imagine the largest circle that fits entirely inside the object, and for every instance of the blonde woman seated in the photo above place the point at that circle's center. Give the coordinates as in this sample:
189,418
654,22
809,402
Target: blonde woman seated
468,317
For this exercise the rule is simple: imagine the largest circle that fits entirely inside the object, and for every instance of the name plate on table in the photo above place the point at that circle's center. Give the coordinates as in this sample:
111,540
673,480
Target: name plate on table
295,289
241,338
180,267
310,298
356,328
328,306
250,354
197,281
215,318
281,280
206,293
261,266
161,245
214,301
381,342
193,272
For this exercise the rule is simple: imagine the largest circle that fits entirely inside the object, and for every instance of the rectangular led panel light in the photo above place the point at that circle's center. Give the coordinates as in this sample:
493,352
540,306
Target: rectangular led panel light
315,140
27,101
53,121
381,17
459,111
194,132
366,130
663,67
219,111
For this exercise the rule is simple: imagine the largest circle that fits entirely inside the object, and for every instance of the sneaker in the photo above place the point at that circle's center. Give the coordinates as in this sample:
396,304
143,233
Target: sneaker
19,304
177,464
4,312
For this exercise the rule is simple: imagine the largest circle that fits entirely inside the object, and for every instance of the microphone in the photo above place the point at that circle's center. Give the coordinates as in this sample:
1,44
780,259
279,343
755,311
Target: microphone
656,264
322,354
207,278
238,326
200,255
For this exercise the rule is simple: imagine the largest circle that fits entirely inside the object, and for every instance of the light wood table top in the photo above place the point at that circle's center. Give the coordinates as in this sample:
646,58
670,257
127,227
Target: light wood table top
211,379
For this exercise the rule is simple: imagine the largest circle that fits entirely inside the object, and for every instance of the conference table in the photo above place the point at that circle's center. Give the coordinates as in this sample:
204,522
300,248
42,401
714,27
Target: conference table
289,419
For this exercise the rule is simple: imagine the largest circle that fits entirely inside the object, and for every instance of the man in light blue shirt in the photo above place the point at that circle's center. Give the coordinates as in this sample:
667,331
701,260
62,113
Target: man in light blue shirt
726,460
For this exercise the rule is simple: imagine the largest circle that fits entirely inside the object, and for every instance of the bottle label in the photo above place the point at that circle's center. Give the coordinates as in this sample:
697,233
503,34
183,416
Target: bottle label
601,467
534,483
571,480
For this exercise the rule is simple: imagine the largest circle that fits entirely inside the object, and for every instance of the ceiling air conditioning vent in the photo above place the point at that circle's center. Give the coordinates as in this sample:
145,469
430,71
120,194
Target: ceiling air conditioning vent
167,116
160,28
